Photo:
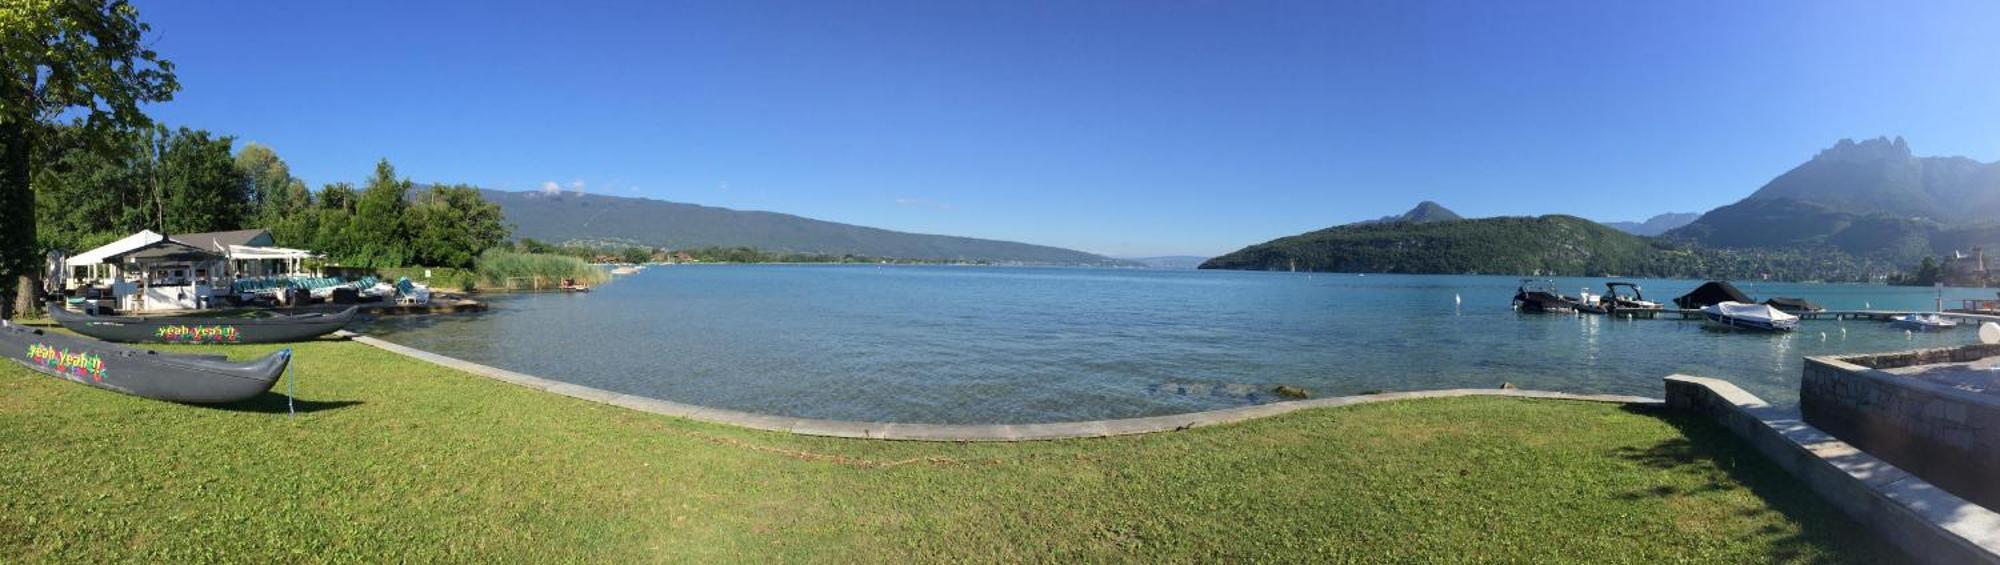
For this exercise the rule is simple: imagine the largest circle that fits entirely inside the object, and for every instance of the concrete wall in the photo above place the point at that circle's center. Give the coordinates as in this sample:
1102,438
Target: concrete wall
1928,523
1947,436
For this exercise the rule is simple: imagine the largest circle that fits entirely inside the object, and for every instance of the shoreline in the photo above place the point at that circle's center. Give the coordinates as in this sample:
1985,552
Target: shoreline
896,431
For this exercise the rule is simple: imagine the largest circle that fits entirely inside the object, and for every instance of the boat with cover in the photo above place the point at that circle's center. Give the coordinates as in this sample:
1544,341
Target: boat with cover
1712,292
1738,315
174,329
1795,305
1541,297
192,379
1923,322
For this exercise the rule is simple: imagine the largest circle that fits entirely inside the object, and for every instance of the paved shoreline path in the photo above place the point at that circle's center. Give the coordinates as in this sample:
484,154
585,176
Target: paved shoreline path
958,432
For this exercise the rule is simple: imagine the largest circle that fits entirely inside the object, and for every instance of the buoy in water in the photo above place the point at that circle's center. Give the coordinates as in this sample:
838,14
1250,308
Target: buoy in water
1822,336
1989,332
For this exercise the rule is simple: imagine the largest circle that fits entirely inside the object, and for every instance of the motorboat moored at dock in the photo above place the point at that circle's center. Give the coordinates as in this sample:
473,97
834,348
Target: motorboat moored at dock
1738,315
1625,299
1535,296
1923,322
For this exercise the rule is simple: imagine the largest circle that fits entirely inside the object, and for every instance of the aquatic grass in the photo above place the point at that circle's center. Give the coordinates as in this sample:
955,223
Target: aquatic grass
396,460
500,268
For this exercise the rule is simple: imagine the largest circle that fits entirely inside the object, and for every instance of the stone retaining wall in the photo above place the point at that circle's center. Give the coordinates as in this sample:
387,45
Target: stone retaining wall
1930,524
1950,437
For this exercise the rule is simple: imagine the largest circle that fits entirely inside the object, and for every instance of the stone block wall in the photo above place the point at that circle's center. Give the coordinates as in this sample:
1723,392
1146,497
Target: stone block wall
1947,436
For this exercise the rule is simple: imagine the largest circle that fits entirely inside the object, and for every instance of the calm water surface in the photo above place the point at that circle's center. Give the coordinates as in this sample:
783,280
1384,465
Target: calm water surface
1016,345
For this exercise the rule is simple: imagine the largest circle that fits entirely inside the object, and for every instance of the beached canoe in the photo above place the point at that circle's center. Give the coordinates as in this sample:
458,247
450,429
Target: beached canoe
173,329
192,379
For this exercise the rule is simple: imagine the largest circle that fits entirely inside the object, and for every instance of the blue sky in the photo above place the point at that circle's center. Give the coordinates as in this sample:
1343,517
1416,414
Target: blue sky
1136,128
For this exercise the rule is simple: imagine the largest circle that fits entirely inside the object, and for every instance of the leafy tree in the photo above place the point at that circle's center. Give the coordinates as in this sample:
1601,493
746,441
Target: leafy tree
200,187
329,222
58,57
272,191
380,236
636,254
86,196
451,225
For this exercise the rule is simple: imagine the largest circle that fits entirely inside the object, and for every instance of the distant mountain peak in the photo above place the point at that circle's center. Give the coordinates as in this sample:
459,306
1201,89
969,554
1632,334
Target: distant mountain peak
1425,212
1877,149
1872,198
1656,225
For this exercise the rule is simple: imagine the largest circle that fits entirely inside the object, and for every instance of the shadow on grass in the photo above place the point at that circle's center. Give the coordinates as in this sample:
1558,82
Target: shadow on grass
1708,451
274,403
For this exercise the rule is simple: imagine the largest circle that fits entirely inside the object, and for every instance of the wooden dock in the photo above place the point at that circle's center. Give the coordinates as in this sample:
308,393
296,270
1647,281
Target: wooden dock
1874,315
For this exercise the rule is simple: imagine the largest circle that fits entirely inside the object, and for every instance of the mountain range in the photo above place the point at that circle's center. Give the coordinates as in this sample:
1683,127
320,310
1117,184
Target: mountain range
1856,210
1656,225
1872,198
573,217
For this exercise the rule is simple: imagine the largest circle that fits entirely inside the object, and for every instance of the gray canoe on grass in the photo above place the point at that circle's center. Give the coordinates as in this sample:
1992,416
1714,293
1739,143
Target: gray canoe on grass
193,379
280,328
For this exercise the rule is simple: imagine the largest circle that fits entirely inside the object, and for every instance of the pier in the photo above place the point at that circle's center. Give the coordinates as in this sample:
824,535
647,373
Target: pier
1875,315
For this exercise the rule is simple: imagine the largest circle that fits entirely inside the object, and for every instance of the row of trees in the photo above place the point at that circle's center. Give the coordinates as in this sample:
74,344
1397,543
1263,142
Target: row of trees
94,187
81,165
1925,274
183,181
390,222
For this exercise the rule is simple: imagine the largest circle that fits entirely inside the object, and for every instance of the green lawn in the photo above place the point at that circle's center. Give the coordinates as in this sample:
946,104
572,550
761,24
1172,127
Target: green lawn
396,460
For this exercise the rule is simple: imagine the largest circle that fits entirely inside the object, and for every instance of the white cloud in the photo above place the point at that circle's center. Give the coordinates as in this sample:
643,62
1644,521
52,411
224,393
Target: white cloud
550,187
576,185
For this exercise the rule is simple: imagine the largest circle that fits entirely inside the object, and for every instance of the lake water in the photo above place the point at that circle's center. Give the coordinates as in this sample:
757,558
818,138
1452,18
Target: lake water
1017,345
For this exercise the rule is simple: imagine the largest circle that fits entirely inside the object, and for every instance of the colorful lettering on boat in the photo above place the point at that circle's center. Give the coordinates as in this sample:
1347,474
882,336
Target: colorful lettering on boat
196,334
67,362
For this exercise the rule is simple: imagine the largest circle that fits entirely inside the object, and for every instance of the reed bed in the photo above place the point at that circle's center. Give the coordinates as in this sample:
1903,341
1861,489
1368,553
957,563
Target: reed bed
503,269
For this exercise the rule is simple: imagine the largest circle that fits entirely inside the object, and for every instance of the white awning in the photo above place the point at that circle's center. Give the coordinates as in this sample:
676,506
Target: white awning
120,247
246,252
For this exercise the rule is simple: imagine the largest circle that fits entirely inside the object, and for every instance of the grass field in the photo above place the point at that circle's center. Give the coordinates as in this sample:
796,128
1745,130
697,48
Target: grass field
396,460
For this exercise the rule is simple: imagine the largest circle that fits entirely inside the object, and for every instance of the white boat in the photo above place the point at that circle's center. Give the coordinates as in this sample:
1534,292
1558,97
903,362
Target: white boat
1749,316
624,271
1923,322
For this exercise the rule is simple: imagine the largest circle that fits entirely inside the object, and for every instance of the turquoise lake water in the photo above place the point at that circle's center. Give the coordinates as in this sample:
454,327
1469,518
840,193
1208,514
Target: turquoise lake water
1018,345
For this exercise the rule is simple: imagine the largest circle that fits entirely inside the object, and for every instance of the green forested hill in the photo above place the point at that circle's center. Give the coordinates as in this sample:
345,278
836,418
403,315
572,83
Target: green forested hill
1563,245
1548,245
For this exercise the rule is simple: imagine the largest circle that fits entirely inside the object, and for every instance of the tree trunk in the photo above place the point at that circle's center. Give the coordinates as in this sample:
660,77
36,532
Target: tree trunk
28,296
17,211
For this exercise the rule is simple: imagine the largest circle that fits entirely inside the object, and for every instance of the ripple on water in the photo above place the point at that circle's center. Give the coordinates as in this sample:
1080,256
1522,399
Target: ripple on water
1018,345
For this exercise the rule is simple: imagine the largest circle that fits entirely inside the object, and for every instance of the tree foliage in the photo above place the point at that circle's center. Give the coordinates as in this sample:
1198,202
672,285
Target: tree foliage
451,225
200,189
57,57
92,187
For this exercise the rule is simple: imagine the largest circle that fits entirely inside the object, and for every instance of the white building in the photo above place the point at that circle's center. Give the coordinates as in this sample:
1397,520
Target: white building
149,272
